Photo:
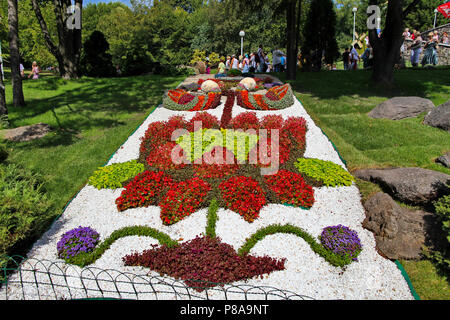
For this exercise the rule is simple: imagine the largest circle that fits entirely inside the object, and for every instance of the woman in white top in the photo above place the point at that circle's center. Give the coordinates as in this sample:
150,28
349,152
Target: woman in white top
234,62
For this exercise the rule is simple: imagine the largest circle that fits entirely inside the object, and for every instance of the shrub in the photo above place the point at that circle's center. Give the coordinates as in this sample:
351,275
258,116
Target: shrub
234,73
144,190
291,188
95,60
204,262
342,241
183,199
330,173
243,195
296,128
76,241
442,207
3,153
25,209
112,176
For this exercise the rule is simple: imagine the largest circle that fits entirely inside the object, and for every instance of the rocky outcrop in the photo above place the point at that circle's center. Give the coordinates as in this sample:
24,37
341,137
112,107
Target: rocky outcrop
444,160
439,117
26,133
410,185
399,233
401,108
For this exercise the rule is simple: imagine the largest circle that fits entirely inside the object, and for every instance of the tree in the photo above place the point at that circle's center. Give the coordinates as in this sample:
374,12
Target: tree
386,48
68,50
96,61
320,35
16,78
422,17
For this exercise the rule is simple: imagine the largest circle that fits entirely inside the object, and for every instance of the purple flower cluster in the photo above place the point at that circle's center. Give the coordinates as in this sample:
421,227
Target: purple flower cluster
75,241
342,241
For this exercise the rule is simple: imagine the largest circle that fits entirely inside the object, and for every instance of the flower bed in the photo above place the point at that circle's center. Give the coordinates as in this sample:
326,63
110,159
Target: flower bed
133,220
276,98
181,100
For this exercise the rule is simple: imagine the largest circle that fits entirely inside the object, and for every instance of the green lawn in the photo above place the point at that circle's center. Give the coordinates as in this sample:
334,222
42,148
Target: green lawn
93,117
338,101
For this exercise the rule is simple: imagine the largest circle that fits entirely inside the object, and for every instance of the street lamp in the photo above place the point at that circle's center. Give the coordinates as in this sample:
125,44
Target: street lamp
242,35
435,13
354,22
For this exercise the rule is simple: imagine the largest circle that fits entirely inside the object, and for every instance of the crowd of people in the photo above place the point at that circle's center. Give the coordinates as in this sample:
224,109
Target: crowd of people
255,62
418,46
351,57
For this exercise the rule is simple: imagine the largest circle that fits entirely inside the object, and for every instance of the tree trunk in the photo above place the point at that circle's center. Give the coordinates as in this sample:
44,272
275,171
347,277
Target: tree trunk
68,50
386,50
292,38
3,108
13,20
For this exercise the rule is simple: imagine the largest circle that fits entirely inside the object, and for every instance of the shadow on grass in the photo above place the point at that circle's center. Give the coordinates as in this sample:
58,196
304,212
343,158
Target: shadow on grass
335,84
87,104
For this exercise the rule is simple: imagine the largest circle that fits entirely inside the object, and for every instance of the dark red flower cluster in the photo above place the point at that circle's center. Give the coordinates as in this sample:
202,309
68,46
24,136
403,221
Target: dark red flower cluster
243,195
291,188
144,190
228,109
204,262
183,199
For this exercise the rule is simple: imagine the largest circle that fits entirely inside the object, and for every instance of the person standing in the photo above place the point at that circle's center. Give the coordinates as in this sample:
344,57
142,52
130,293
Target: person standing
444,38
346,58
35,70
276,59
22,70
234,62
228,63
354,58
246,65
262,59
416,49
283,63
430,56
221,69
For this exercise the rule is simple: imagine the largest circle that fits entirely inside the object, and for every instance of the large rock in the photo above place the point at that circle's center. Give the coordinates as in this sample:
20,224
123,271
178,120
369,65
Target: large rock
439,117
399,232
409,185
444,160
200,66
401,108
27,133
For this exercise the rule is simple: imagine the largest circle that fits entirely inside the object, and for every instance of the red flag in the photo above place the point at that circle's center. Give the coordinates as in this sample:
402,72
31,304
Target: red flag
445,9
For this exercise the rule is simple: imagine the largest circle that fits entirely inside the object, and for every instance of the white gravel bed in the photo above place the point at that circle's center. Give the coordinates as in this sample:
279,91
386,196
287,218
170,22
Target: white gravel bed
371,277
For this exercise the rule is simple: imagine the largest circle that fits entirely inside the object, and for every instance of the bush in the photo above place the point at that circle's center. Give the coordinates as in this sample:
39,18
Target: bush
442,207
112,176
95,61
234,73
3,153
330,173
24,207
76,241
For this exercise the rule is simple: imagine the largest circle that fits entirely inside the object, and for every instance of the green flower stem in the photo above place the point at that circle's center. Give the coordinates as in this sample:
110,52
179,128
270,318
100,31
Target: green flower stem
212,218
329,256
84,259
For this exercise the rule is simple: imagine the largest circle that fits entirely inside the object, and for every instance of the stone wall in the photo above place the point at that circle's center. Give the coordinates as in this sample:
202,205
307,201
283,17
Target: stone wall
443,50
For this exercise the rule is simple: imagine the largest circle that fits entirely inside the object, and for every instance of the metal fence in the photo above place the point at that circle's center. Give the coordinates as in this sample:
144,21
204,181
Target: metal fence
34,279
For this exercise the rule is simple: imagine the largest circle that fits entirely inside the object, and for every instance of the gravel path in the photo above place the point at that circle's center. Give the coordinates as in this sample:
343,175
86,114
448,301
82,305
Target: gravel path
372,277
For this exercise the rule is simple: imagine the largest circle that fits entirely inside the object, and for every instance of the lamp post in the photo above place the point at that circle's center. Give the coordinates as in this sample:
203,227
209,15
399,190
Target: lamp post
242,35
435,13
354,22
